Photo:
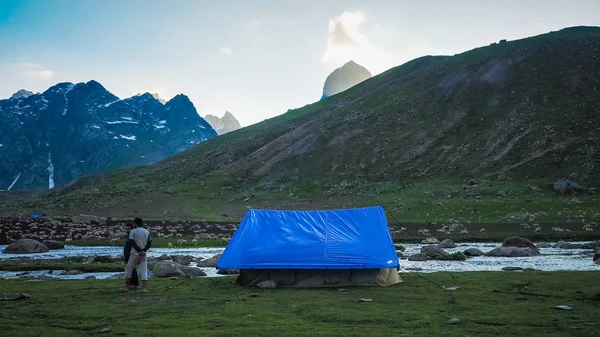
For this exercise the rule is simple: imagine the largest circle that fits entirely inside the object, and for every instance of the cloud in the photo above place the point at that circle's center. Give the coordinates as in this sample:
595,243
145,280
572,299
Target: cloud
226,51
346,42
35,70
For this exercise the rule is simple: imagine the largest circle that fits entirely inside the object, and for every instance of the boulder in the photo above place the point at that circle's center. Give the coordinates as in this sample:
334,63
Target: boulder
25,246
517,241
563,186
168,269
447,244
513,252
418,257
559,244
53,244
596,257
473,252
574,246
543,245
192,272
228,271
399,253
71,272
173,269
430,241
183,259
212,262
433,252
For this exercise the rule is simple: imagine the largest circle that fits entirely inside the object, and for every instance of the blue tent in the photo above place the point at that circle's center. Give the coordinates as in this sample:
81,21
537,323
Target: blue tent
334,239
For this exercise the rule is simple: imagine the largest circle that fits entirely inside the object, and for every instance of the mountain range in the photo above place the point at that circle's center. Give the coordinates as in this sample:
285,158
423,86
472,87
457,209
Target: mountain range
515,113
53,138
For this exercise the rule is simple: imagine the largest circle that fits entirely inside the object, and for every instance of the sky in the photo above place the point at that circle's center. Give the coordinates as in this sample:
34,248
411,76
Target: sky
256,59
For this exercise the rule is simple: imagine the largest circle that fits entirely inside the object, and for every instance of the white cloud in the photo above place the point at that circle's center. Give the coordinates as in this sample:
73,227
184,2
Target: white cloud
226,51
346,42
35,70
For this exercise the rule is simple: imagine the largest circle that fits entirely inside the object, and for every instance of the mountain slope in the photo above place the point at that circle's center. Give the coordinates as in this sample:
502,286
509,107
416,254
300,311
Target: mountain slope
513,112
225,124
72,130
343,78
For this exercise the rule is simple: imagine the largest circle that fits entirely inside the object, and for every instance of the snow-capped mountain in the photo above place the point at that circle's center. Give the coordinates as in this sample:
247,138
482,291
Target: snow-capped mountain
71,130
225,124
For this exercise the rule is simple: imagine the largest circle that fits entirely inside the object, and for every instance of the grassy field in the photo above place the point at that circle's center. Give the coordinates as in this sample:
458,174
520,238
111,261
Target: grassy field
487,303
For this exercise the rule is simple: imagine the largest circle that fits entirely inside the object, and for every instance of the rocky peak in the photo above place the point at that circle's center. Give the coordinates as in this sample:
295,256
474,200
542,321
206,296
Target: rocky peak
21,94
225,124
343,78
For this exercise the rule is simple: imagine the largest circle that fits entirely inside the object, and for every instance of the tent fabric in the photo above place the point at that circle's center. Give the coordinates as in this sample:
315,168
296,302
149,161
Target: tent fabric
332,239
320,278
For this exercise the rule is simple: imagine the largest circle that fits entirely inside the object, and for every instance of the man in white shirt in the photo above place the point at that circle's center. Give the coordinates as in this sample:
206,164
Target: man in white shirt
140,240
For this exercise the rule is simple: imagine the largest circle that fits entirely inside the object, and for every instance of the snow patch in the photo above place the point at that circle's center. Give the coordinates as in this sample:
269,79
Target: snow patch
162,122
159,126
69,88
115,137
14,181
51,171
200,126
127,118
121,122
110,103
95,126
1,145
128,137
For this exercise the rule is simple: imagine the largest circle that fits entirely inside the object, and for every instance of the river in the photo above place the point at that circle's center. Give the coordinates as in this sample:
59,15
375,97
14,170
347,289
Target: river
551,259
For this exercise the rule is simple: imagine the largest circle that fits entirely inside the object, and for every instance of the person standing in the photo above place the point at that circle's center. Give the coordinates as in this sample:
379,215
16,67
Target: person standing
140,240
127,254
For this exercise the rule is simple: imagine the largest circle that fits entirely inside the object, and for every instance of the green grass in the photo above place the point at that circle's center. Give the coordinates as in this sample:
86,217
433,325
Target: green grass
83,267
487,303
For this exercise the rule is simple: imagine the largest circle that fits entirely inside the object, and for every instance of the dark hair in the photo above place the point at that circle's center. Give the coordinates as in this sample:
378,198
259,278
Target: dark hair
129,225
138,222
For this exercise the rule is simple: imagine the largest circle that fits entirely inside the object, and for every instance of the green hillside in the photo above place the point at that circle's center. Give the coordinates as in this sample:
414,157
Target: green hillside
515,116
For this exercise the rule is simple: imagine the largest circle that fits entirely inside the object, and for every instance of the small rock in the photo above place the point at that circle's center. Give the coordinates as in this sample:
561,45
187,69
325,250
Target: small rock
535,188
430,241
447,244
267,284
90,278
13,296
104,330
418,257
563,186
573,176
89,259
559,244
517,241
399,253
512,269
453,320
253,295
228,271
53,244
433,251
366,300
502,193
72,272
513,252
342,289
543,245
574,201
473,252
183,259
564,307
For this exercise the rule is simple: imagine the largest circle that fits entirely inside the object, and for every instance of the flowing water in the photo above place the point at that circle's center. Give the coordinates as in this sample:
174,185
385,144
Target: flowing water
551,259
